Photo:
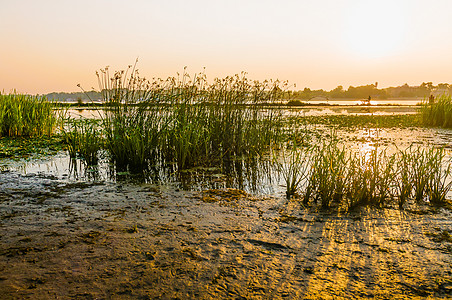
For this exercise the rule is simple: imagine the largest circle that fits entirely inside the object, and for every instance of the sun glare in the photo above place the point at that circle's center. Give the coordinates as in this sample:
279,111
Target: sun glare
375,29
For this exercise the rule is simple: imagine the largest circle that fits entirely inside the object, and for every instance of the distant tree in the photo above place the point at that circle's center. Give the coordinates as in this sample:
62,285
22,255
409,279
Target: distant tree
337,92
361,92
304,94
427,86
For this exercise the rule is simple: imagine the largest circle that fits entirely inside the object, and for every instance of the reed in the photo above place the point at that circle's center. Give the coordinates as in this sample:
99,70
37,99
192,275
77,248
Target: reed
329,174
421,171
359,189
440,182
295,168
404,181
134,120
352,179
424,174
83,139
185,120
359,121
24,115
378,174
438,113
188,135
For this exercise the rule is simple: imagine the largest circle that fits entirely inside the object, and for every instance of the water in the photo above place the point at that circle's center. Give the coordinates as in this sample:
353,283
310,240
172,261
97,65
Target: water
336,109
258,177
60,167
396,102
350,110
84,113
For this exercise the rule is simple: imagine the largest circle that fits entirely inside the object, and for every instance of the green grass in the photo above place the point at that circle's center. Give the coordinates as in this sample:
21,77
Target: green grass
294,167
404,180
24,115
186,120
439,183
83,139
360,121
371,178
336,177
438,113
24,147
328,177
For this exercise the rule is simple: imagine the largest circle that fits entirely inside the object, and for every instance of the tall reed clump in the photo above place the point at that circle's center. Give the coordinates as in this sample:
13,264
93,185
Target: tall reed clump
423,175
185,120
438,113
188,134
24,115
135,118
376,178
237,123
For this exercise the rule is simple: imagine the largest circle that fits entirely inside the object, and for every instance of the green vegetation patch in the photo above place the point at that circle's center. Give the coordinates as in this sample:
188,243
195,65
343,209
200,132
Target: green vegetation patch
20,147
83,139
24,115
438,112
184,121
354,121
331,176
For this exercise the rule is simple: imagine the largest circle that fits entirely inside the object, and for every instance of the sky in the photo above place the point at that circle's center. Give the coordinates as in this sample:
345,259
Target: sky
53,45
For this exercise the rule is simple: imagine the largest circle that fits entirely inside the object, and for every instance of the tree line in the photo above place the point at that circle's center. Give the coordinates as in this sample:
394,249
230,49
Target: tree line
360,92
371,90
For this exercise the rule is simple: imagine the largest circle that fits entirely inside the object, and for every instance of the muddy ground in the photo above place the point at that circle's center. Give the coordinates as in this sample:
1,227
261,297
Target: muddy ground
63,240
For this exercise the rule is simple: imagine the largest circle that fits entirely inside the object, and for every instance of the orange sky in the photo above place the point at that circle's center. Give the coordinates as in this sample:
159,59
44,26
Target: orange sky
52,45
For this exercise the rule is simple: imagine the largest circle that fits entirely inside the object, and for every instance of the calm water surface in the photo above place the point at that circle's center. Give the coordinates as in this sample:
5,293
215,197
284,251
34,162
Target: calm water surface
334,109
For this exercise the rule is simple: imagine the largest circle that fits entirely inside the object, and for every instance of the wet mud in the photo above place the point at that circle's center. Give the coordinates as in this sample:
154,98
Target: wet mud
79,240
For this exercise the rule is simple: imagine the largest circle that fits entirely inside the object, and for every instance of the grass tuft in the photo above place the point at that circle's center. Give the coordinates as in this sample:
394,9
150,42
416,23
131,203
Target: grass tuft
335,176
438,113
24,115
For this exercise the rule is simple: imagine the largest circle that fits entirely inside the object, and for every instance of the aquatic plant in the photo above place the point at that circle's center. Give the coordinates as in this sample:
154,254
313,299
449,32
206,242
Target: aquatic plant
404,181
24,115
352,179
360,121
421,170
425,172
135,118
295,168
185,120
83,139
329,174
438,113
24,147
440,182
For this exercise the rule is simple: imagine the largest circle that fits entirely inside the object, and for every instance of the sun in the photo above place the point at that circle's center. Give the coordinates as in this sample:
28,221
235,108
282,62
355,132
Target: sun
374,29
